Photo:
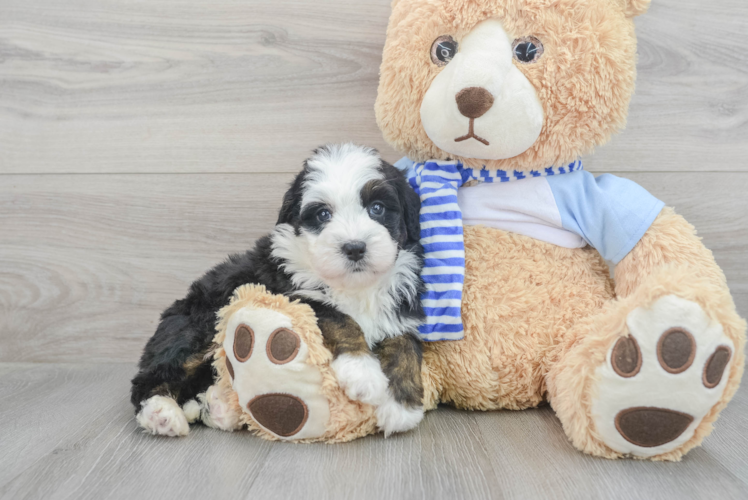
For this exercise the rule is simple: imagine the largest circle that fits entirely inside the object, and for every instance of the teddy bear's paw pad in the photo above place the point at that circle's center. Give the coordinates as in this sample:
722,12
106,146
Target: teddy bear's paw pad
659,382
648,427
161,415
282,414
268,362
715,366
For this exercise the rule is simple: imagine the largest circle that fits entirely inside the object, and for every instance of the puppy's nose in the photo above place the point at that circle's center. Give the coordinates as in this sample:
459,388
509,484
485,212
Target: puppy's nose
354,250
473,102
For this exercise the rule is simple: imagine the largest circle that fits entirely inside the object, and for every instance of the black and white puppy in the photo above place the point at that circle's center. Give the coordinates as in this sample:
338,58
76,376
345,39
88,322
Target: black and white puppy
346,243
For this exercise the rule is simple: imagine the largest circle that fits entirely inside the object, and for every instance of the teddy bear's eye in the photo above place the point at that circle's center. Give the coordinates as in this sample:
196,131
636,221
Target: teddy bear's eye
443,50
527,49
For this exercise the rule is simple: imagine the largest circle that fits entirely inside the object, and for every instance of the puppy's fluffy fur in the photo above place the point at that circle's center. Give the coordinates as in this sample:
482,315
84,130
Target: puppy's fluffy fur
346,243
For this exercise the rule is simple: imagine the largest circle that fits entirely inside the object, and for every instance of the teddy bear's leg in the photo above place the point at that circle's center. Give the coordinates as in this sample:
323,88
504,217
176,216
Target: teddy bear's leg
274,374
270,372
648,375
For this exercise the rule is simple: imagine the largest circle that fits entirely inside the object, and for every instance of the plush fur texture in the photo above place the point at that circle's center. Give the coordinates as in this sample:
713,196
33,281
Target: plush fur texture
584,79
540,320
517,305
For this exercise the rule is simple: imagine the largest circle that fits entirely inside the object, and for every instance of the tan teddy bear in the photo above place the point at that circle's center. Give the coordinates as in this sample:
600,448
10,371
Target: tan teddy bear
493,102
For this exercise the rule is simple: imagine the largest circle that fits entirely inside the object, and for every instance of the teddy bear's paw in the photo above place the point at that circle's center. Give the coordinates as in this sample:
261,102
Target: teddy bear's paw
273,378
162,415
659,382
361,377
216,412
395,417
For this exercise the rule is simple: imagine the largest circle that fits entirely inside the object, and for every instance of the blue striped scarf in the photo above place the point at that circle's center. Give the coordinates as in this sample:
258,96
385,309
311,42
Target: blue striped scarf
436,182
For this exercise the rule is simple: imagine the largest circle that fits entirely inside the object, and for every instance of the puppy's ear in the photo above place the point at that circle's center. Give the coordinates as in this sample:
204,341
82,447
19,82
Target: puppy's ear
411,208
291,208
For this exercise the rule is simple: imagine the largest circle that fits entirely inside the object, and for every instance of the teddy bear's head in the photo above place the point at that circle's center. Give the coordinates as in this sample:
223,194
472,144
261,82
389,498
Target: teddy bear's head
509,84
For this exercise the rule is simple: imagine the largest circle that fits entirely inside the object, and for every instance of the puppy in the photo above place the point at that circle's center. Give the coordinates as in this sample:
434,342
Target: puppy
346,243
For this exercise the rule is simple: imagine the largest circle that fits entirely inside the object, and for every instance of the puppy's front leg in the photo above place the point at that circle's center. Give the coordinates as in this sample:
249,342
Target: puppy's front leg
357,369
401,359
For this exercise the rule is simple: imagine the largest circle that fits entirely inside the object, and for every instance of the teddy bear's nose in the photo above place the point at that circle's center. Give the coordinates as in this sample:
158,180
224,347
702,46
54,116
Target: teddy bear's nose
473,102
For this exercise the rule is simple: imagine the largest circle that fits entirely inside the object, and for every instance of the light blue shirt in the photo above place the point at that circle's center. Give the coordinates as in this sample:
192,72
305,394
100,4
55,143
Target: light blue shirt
607,212
610,213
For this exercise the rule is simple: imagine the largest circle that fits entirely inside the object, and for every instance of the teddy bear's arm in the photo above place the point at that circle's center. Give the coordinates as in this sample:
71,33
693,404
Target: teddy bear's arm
669,243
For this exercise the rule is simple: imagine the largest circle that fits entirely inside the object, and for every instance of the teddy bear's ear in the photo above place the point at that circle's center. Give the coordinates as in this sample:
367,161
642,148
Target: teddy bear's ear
632,8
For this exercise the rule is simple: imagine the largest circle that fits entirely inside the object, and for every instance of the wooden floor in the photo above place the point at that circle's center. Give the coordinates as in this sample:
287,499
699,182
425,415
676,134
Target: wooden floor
68,432
140,142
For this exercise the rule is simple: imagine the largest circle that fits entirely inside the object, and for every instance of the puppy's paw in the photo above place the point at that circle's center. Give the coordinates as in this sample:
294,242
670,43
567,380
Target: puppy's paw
162,415
218,413
192,411
395,417
361,377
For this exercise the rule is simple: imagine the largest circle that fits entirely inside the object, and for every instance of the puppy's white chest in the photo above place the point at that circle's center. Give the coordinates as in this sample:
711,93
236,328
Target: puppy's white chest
376,321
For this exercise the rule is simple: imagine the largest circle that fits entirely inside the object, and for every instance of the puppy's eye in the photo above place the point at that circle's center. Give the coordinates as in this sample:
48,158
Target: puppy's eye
443,50
527,49
376,209
324,215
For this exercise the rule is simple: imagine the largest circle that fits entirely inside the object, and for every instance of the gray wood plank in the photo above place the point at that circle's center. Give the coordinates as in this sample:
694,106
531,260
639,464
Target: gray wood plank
83,442
43,407
537,461
684,115
185,86
730,429
88,262
68,433
442,458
